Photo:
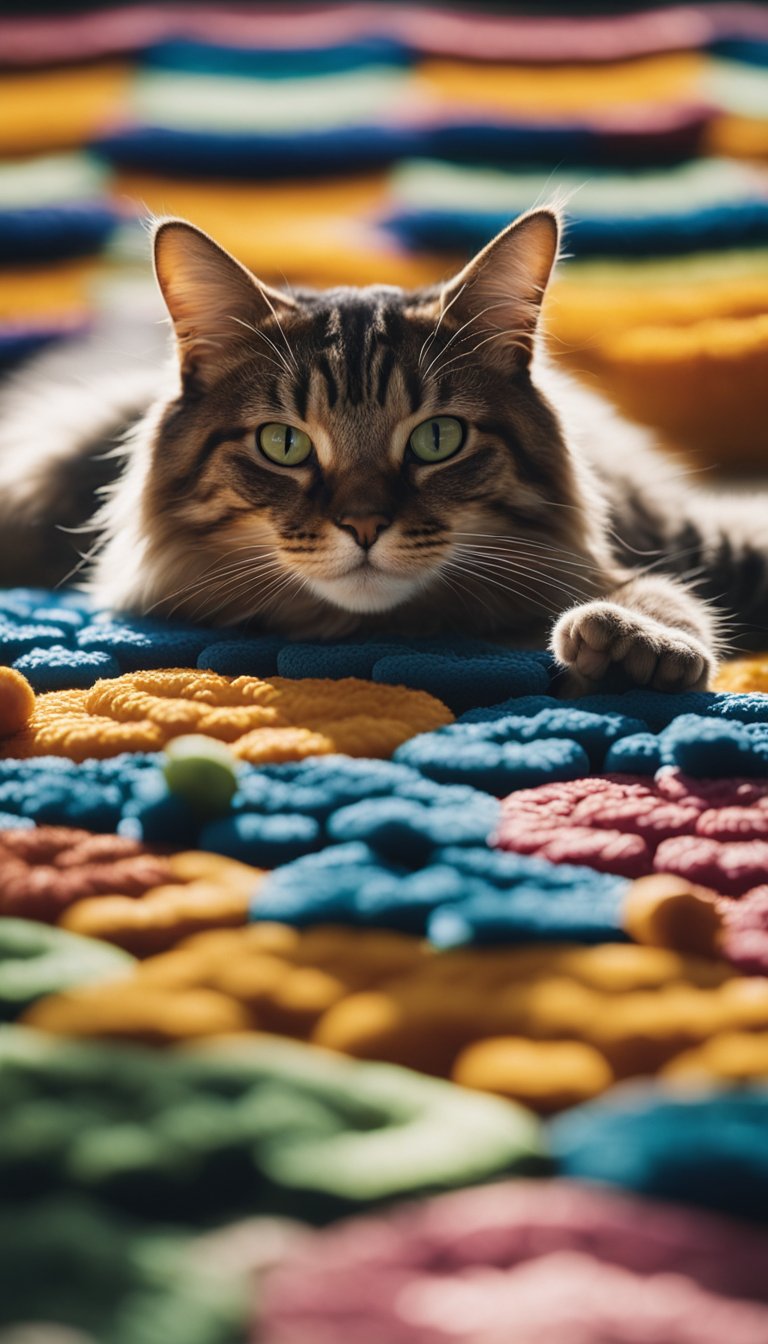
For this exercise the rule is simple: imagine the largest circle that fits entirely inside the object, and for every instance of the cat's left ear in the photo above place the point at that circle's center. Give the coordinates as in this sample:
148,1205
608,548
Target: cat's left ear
211,298
497,297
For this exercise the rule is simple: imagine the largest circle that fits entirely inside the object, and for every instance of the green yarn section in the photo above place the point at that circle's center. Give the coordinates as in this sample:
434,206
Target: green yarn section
69,1263
51,179
264,1127
36,960
431,185
210,102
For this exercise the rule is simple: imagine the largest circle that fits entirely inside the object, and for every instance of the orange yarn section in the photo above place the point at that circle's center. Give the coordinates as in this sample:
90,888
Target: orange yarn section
201,891
699,385
744,674
17,701
547,1025
110,887
692,382
738,137
263,721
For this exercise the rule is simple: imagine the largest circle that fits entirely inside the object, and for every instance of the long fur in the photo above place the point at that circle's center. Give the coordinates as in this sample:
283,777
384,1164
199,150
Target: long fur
557,521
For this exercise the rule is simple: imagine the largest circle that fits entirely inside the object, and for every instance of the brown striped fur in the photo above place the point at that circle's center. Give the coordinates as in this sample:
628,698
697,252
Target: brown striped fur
511,538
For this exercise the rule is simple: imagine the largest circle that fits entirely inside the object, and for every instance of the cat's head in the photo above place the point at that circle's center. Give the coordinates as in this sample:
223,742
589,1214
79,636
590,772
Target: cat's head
360,450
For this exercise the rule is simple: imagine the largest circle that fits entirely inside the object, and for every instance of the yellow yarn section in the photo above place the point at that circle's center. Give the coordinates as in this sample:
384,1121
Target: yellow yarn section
549,1025
276,720
666,911
56,109
744,674
17,701
565,90
47,292
590,301
318,232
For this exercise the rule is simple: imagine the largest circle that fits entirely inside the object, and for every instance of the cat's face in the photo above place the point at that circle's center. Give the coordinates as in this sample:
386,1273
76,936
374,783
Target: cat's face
365,449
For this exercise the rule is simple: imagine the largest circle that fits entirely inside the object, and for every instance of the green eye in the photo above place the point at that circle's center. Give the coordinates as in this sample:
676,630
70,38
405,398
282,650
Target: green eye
437,439
284,444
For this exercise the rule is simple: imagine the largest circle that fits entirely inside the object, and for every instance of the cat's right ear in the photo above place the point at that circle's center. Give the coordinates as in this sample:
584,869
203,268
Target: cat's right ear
211,298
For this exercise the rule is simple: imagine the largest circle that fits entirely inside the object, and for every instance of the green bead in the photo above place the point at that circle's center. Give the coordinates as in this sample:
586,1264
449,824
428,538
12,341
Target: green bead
202,771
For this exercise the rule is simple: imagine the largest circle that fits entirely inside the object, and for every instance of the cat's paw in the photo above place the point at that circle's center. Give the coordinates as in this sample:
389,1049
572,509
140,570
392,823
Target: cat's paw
594,639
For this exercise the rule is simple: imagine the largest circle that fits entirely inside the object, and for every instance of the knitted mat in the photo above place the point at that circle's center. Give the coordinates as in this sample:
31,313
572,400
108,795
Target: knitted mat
391,919
498,905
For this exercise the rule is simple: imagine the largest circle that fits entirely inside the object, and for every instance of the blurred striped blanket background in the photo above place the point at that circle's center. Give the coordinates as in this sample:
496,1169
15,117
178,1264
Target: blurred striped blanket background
347,144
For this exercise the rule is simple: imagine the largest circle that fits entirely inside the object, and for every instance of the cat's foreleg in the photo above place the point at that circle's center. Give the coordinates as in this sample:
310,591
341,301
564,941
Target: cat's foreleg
649,631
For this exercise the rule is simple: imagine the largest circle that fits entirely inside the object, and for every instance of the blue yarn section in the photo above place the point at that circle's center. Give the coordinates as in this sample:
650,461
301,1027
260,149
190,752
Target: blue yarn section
283,811
19,340
249,155
278,813
55,232
708,1150
246,154
515,751
238,657
453,894
515,735
59,669
460,672
59,642
736,224
186,56
461,682
52,790
538,739
749,50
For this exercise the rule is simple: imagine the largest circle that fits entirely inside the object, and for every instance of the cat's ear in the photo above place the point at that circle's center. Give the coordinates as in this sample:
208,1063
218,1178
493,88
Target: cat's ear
497,297
211,298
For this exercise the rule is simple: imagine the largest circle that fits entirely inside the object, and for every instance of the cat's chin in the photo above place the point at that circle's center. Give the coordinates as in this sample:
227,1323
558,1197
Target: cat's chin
365,590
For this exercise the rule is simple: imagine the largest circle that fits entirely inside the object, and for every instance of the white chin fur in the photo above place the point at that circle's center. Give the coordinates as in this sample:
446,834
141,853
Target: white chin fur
364,590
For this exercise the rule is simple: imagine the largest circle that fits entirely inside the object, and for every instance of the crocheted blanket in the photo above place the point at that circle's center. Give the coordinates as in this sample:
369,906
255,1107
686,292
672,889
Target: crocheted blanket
520,929
367,991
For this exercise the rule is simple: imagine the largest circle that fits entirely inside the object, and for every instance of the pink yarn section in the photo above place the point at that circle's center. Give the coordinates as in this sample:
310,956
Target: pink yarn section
561,1261
745,931
710,831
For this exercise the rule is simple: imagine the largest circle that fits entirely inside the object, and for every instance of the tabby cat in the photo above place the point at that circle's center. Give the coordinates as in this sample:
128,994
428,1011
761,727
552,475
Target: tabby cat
373,460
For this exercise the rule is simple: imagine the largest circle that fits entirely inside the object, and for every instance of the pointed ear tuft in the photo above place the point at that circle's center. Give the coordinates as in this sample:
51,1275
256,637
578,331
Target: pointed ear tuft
499,293
211,298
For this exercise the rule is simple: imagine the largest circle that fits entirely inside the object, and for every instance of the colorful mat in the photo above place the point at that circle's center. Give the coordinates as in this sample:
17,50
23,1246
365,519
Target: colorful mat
392,928
293,932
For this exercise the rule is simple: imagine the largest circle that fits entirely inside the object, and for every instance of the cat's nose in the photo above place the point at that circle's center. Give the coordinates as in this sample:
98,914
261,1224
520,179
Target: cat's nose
364,527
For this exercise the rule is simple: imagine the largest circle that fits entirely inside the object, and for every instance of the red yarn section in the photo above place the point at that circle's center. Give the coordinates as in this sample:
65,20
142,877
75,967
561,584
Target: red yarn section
42,871
711,831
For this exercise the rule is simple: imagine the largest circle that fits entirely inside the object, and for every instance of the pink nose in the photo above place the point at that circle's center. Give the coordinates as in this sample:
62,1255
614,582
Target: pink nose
365,527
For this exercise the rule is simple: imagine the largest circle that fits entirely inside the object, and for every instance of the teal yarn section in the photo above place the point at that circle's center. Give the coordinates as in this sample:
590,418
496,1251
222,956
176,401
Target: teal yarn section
708,1151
